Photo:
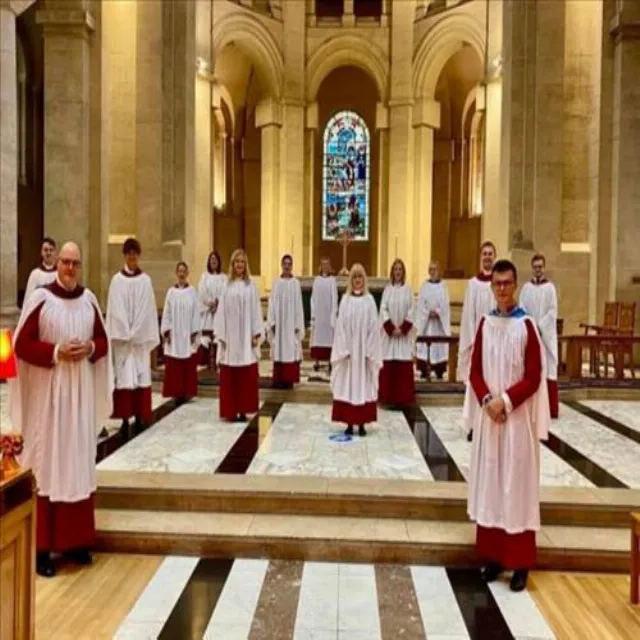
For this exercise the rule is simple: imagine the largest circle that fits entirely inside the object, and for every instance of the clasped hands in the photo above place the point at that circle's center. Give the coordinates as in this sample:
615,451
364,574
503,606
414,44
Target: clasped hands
496,410
75,350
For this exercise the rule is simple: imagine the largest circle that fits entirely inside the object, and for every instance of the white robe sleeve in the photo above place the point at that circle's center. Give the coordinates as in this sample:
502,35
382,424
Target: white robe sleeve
384,305
340,349
445,311
300,326
334,303
467,333
167,316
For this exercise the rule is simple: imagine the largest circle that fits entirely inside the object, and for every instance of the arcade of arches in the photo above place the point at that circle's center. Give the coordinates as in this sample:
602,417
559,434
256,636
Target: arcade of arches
204,124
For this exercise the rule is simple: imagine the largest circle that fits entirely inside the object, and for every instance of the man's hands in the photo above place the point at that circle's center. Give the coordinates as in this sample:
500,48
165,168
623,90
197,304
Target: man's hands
255,341
496,409
396,332
213,305
433,314
75,350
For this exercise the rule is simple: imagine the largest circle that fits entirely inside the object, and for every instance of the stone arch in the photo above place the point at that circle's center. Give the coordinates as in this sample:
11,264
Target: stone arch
225,97
347,50
257,43
469,102
438,45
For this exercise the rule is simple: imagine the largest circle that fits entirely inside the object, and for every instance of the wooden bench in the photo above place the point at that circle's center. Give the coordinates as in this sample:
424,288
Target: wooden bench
635,557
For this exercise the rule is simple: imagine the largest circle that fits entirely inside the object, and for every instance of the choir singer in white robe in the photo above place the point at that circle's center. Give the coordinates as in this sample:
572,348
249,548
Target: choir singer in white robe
508,409
60,397
397,384
434,319
180,329
45,272
210,288
538,298
285,320
324,310
239,331
356,356
132,325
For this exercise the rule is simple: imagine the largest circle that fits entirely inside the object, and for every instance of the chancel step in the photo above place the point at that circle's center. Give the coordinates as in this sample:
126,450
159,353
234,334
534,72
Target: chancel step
318,538
355,498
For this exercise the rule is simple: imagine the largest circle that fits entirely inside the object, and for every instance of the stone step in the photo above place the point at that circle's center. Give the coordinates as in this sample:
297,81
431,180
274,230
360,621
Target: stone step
355,497
341,539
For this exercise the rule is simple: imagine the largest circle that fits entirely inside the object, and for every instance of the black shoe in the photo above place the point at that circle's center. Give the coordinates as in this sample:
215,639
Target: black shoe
470,436
80,555
362,431
491,572
519,580
348,431
44,565
241,418
138,426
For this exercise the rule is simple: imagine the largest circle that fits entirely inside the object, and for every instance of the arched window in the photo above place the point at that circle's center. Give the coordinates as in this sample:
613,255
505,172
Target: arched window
345,179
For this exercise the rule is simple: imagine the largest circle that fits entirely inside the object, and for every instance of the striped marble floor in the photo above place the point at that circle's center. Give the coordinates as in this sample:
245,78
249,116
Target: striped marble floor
588,446
274,599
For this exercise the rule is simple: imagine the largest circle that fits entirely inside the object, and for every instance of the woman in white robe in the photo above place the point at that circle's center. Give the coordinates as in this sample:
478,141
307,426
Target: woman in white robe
434,319
239,331
324,310
285,320
210,288
180,329
397,384
356,356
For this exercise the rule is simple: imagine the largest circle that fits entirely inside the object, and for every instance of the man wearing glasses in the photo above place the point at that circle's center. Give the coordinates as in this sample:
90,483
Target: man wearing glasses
508,409
58,400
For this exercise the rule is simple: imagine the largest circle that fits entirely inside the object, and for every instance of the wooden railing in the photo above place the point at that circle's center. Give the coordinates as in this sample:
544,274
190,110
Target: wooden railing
576,346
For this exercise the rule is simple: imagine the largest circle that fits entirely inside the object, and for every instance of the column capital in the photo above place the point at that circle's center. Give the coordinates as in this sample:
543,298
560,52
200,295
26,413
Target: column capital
382,116
268,112
16,6
426,113
624,28
78,23
311,116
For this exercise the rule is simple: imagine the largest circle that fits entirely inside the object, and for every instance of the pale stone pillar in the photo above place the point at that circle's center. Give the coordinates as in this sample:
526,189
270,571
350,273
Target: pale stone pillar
426,119
401,153
8,167
625,28
309,227
348,17
293,133
67,67
269,121
382,131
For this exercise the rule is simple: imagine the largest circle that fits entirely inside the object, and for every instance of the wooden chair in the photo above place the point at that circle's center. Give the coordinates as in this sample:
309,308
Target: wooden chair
609,326
635,557
626,326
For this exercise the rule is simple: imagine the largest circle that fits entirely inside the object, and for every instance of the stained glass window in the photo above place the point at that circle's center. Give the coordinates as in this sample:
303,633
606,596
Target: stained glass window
345,178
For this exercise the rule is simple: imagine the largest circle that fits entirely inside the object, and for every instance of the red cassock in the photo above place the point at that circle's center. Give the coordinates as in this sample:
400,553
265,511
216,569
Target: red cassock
517,550
397,385
60,525
180,377
239,390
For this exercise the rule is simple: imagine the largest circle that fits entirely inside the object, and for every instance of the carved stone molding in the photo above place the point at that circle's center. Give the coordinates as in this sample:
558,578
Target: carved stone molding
66,23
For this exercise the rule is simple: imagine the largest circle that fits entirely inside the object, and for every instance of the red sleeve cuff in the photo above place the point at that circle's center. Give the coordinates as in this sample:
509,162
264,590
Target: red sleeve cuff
405,327
388,327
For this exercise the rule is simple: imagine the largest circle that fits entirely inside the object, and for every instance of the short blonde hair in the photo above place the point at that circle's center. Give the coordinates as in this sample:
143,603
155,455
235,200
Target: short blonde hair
239,253
357,269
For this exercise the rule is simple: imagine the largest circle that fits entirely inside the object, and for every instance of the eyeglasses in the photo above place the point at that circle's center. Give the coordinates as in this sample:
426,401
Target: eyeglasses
503,284
67,262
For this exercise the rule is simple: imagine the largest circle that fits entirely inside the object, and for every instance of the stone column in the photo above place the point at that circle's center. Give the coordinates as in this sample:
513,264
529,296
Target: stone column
426,119
348,17
401,132
382,131
293,130
8,167
269,121
625,29
309,228
67,67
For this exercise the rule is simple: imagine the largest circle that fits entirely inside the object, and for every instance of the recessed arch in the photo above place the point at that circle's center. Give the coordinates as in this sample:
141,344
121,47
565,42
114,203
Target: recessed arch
254,39
347,50
225,96
438,45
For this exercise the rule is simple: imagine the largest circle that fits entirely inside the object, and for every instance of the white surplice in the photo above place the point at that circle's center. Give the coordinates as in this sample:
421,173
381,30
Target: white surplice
286,314
38,277
181,316
238,319
478,301
210,288
59,410
324,310
541,303
132,326
504,473
397,306
356,356
434,296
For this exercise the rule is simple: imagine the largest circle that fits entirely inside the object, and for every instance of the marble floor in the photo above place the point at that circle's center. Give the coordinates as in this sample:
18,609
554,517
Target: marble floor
329,601
425,443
